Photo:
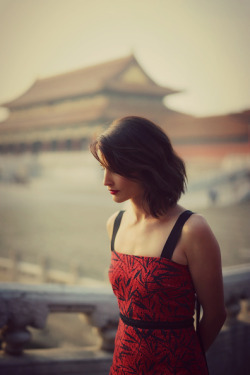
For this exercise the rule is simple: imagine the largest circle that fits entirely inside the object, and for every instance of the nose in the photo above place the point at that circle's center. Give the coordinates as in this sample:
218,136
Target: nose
107,178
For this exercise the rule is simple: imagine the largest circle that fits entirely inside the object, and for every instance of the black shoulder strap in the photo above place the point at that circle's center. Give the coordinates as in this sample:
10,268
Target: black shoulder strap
116,226
175,234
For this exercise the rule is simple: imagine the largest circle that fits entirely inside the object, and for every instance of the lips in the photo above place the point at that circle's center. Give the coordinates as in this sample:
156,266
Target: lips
114,192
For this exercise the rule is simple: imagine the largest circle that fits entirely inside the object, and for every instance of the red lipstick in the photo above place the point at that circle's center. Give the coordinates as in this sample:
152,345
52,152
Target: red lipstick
113,192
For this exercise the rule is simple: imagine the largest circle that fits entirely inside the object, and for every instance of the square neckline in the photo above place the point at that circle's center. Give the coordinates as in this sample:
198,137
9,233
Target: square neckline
171,241
149,257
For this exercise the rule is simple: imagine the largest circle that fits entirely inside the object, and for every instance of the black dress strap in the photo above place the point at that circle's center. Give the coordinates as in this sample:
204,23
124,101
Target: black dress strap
116,226
175,234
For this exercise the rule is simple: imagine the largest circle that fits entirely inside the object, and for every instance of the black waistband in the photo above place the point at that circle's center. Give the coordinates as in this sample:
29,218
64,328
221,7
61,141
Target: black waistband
157,324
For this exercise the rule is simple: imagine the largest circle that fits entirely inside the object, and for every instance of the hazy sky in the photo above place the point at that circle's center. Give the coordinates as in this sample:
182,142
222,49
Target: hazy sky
198,46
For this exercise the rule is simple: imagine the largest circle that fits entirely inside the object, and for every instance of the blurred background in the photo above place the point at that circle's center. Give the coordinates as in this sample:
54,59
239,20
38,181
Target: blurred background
68,68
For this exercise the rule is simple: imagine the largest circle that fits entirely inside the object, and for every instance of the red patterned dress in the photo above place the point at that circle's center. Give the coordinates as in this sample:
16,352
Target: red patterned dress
156,298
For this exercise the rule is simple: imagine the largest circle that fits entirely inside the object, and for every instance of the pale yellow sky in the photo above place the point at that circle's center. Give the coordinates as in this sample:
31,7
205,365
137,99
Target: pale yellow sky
199,46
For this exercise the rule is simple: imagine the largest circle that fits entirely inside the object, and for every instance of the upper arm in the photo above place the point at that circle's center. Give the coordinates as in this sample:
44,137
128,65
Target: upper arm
204,260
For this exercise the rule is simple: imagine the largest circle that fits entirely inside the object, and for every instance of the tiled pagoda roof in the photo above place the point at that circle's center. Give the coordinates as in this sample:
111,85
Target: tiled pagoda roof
88,81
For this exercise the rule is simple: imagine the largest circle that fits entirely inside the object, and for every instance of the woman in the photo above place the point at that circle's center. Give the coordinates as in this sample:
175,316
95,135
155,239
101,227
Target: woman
163,256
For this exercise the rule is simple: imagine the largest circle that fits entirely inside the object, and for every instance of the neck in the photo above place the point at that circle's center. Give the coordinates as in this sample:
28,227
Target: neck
140,210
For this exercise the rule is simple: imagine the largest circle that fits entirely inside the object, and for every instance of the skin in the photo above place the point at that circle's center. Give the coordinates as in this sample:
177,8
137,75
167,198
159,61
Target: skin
142,234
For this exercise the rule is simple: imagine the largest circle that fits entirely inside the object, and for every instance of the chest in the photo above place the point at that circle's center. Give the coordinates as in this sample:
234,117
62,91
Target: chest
148,240
145,240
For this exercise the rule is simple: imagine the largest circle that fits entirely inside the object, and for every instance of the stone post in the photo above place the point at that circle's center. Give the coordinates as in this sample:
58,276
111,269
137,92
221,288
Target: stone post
15,259
15,315
105,319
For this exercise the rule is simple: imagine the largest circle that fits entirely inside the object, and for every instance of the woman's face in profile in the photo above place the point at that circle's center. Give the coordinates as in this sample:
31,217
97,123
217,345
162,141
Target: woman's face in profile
121,188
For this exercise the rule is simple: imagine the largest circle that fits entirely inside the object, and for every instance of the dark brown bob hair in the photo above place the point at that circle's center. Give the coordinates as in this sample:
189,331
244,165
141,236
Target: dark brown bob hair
138,149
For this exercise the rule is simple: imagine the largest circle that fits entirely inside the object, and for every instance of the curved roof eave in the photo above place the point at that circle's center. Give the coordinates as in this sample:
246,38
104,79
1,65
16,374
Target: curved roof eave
85,81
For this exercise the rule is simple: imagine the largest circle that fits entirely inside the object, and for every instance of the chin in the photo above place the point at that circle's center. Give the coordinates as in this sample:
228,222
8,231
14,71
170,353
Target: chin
119,199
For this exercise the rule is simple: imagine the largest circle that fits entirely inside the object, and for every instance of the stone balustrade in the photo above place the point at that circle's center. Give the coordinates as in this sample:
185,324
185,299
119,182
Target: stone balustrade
29,305
236,288
22,306
16,269
229,354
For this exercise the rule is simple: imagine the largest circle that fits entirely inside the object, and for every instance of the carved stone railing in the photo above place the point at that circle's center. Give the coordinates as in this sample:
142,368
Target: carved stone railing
229,354
15,269
22,306
29,305
236,288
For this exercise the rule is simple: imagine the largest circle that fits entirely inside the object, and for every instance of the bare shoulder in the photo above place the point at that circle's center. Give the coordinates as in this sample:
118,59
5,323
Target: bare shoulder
197,220
200,240
197,227
110,223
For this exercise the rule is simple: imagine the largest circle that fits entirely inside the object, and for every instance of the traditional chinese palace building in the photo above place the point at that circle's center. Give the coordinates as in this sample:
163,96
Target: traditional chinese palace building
66,111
